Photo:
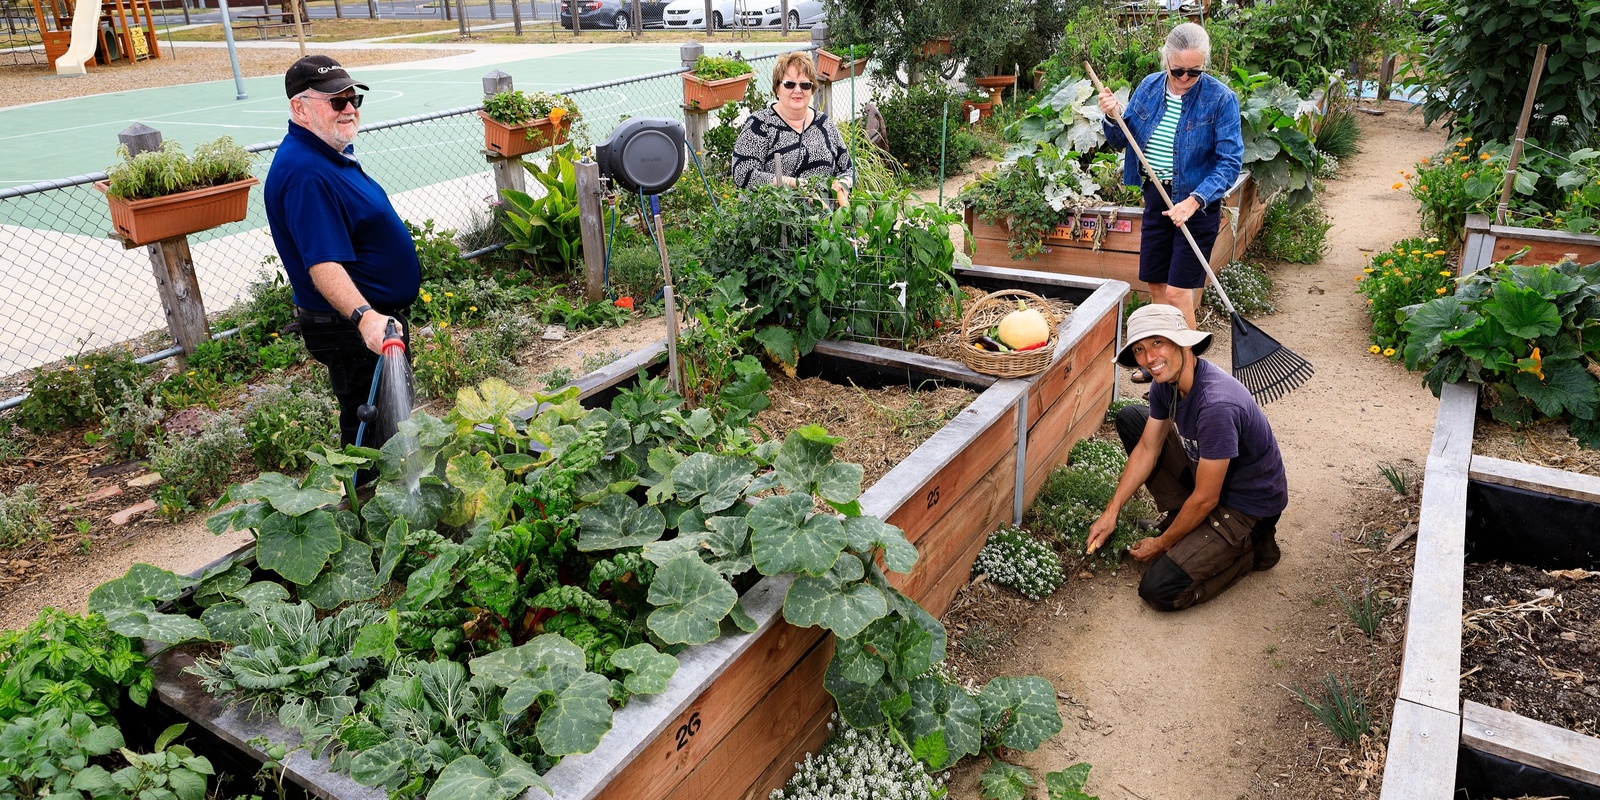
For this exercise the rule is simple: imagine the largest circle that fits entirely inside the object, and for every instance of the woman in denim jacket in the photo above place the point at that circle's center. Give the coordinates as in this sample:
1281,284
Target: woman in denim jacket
1187,123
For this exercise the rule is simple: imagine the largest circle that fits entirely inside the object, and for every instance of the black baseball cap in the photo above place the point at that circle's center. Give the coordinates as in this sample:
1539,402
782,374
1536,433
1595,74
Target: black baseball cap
320,73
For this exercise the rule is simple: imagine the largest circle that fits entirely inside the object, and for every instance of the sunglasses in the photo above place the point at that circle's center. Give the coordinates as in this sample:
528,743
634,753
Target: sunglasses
339,102
1180,72
805,86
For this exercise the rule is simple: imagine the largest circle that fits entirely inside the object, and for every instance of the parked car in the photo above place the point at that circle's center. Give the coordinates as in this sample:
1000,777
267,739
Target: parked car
596,14
769,13
692,13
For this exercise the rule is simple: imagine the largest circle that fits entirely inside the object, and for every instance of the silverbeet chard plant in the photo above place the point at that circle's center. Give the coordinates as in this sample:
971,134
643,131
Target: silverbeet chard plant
515,578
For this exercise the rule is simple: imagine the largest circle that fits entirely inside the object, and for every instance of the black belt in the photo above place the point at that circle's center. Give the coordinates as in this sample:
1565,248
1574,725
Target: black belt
331,317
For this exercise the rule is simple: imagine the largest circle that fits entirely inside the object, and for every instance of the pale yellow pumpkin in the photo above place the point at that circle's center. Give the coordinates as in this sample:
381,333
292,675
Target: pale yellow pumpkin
1024,329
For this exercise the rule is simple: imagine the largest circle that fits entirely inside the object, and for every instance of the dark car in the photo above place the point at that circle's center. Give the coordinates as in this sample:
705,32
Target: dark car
618,14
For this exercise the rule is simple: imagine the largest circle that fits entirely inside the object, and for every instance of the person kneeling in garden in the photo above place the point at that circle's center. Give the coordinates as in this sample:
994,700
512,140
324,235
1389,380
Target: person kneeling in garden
1204,449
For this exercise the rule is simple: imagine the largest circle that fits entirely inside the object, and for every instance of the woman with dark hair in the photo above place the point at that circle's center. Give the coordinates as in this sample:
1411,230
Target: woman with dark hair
1187,123
804,142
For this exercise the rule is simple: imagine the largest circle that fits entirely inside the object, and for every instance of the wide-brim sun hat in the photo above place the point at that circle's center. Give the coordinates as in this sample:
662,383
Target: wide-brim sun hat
1164,321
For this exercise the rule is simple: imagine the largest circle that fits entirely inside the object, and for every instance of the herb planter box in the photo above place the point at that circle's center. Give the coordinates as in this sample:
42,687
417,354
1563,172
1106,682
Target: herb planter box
152,220
708,95
743,708
984,109
832,67
1118,255
516,140
1548,247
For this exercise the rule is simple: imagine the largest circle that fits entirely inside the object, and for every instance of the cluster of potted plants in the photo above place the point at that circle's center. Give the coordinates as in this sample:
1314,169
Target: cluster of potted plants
715,81
849,61
161,194
516,122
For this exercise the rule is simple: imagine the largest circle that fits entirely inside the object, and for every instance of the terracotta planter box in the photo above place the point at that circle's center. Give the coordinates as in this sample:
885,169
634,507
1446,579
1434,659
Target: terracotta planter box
708,95
936,47
1547,247
516,140
148,221
1118,255
832,67
744,708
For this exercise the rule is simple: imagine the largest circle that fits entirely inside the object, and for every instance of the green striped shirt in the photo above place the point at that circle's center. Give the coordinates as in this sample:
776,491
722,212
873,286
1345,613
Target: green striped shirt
1163,140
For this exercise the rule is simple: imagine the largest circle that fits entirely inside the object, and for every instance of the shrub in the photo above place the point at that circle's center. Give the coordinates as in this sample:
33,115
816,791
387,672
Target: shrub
21,516
1478,66
1303,40
196,468
283,420
80,392
1452,184
1413,271
547,227
438,253
1014,558
282,352
865,764
155,173
449,358
916,118
269,308
1075,494
130,425
1293,233
1248,286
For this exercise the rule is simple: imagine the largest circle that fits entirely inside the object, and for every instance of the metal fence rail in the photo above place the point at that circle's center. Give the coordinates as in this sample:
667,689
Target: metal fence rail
66,287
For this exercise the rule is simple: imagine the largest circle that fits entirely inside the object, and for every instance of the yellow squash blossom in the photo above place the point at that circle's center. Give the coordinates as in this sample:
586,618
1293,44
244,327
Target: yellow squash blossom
1533,364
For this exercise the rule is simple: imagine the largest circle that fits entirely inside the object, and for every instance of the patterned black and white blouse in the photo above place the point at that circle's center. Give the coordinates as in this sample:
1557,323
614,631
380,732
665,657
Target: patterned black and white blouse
818,151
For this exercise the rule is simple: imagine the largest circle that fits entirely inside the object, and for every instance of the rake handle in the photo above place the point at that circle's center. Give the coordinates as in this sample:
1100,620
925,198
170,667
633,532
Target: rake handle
1156,182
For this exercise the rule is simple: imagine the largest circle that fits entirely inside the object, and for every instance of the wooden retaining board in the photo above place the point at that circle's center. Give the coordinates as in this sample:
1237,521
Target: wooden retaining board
1487,243
1118,256
1527,741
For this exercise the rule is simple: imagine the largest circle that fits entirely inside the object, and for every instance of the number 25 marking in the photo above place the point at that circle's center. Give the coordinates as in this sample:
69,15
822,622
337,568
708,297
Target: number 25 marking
933,497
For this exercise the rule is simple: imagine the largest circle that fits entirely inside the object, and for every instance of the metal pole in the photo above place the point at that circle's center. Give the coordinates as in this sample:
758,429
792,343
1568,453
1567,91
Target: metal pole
783,8
1522,133
233,52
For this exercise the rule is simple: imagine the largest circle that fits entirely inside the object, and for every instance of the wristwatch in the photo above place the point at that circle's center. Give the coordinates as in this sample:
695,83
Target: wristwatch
361,311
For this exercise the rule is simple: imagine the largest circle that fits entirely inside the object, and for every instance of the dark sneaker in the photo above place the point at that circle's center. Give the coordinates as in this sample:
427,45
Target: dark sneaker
1267,554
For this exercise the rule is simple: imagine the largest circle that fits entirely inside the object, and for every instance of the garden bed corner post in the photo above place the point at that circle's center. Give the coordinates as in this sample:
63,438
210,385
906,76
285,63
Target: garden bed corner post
508,171
172,264
591,223
822,101
695,118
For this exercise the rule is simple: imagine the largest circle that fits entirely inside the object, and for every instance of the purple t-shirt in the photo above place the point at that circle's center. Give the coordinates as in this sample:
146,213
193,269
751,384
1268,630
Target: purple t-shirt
1219,420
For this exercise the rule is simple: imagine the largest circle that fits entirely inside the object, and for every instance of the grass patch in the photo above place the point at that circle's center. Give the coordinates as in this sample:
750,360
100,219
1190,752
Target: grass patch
1296,234
323,30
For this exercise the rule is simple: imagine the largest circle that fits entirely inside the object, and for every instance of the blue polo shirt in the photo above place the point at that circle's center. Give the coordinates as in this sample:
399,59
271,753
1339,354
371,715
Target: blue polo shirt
322,206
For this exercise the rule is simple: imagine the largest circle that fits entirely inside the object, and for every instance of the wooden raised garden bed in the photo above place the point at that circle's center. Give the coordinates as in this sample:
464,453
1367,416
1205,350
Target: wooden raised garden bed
742,709
1548,247
1118,255
1439,743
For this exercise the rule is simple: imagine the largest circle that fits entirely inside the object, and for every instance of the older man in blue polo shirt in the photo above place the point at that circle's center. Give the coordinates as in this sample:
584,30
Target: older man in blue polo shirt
347,253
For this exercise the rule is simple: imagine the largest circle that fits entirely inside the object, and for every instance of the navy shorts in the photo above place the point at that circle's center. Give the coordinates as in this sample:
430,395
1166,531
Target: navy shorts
1164,256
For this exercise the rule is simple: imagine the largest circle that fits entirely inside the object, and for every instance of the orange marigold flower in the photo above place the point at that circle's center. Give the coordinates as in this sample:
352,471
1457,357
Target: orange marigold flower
1397,185
1483,156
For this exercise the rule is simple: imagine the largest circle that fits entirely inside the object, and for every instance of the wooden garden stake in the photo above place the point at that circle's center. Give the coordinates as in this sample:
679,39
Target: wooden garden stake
592,224
172,264
1522,133
508,172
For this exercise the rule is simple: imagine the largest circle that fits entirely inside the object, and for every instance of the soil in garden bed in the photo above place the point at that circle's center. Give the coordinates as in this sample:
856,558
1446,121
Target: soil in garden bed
1546,444
880,426
1531,643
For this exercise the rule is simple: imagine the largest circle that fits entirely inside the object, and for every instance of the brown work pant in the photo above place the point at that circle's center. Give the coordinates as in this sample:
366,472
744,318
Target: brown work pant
1214,554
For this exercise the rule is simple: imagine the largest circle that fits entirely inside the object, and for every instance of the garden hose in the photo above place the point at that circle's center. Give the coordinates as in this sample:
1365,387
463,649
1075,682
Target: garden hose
366,412
611,237
707,181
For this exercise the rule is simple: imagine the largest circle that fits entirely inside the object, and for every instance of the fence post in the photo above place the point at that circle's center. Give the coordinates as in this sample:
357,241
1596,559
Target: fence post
822,101
592,224
508,172
695,119
171,264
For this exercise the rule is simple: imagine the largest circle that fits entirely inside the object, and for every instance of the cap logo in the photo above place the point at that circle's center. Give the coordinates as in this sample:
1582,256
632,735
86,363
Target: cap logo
325,70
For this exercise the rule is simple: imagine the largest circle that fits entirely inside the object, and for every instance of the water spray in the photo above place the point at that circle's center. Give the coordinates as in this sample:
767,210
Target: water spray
391,396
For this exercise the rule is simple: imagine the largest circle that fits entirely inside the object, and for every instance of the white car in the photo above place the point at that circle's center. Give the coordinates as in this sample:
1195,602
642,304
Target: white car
692,13
769,13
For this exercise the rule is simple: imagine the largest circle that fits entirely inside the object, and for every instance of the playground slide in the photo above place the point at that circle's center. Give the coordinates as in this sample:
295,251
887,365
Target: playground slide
85,37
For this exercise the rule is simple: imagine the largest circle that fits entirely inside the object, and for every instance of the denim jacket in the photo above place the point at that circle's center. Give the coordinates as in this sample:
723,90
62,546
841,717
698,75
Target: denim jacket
1209,148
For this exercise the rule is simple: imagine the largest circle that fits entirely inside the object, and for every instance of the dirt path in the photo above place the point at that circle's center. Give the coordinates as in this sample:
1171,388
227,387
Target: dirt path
1187,705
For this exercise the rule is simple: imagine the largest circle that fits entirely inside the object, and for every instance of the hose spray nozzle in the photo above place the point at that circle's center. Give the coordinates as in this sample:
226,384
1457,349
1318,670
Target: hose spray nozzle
392,338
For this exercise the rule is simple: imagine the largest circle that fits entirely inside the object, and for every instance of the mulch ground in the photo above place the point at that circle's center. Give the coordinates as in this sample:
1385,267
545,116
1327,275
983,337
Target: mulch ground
1531,643
1546,444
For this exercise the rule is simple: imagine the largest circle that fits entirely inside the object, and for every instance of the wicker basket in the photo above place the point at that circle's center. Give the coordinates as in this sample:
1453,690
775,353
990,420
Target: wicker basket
986,313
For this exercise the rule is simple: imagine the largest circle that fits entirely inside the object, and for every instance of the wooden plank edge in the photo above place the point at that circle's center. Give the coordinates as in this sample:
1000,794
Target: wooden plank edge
634,726
1534,478
1562,238
1430,669
1424,744
890,357
1528,741
1454,422
1032,276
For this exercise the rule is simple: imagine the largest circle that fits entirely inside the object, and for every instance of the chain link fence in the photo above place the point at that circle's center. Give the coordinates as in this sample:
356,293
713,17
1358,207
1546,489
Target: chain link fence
67,287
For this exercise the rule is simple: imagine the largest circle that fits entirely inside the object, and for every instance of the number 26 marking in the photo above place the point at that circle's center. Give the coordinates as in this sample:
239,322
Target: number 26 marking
687,730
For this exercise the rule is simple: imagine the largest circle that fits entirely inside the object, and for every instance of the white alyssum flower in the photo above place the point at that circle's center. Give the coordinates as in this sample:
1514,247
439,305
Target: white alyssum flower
1012,557
859,765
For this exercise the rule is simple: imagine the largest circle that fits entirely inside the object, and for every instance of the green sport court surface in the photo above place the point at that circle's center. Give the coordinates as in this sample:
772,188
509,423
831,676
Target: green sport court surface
76,136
